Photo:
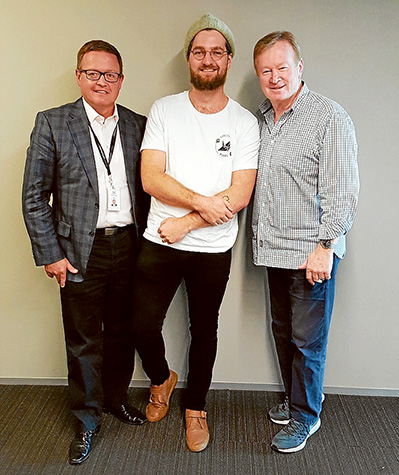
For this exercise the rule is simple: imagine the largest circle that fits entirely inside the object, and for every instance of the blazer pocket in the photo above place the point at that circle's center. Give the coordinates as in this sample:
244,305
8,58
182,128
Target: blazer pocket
62,228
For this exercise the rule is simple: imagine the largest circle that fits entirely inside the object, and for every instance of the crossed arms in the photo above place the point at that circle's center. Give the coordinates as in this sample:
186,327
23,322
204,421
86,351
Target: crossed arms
205,210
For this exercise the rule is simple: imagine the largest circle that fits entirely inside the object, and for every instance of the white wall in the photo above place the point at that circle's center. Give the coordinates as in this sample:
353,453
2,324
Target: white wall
350,53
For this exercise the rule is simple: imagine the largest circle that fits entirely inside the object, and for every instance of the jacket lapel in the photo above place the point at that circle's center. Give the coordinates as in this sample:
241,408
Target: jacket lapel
129,147
78,127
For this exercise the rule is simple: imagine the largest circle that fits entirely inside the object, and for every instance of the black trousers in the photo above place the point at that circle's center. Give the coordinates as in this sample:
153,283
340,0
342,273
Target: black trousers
97,319
159,272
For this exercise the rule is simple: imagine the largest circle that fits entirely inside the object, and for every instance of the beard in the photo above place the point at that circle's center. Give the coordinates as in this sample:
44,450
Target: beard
211,84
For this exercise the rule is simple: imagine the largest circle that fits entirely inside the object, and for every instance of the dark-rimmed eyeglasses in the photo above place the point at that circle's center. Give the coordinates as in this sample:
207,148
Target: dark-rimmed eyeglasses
200,53
93,75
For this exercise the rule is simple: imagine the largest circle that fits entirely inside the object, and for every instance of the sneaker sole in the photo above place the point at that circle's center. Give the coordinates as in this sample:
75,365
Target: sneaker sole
299,447
282,422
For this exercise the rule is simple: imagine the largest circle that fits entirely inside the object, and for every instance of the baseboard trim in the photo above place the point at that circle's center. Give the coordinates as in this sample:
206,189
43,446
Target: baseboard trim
142,383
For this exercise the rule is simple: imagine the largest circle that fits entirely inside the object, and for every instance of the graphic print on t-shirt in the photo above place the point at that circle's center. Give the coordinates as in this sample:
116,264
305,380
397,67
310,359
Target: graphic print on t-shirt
222,145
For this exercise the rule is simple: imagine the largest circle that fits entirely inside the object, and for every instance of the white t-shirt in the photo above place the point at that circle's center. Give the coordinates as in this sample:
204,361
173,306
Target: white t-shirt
202,151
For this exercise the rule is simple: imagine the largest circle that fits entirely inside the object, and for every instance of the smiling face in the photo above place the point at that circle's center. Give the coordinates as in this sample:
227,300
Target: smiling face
207,73
279,73
100,94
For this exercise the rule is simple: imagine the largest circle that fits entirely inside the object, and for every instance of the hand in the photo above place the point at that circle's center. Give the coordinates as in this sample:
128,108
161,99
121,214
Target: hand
59,270
172,230
215,210
318,265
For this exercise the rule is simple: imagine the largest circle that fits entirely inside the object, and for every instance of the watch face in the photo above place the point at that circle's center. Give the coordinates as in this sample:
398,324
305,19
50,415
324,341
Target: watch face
326,244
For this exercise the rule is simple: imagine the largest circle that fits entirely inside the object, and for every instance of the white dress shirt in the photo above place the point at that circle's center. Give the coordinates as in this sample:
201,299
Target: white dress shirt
103,128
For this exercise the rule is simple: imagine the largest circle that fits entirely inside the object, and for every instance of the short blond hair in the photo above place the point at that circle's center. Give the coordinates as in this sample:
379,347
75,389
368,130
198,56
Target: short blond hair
272,38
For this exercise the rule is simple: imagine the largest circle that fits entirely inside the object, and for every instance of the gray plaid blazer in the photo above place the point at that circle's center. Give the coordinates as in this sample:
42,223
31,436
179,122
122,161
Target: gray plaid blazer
60,188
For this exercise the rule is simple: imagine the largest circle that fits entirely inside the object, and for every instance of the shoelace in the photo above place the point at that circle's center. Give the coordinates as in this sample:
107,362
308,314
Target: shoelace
296,428
285,406
87,435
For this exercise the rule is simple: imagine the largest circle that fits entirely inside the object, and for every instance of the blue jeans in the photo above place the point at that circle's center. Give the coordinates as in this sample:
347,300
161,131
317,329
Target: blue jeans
158,274
301,315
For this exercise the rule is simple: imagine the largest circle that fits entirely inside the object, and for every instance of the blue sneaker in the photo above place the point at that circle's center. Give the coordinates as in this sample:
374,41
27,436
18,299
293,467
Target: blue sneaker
281,414
293,436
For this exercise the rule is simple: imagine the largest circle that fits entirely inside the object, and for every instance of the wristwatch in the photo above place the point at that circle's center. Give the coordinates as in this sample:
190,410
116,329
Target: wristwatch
326,243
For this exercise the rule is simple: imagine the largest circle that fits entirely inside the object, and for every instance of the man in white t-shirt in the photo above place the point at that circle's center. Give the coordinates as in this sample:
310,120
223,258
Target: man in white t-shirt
199,160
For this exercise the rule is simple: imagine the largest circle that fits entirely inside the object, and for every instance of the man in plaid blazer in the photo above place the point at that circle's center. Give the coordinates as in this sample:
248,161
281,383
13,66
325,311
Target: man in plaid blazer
85,210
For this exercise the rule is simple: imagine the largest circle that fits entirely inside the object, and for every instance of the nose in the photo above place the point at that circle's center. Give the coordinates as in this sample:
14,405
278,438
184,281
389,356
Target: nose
208,57
101,79
274,77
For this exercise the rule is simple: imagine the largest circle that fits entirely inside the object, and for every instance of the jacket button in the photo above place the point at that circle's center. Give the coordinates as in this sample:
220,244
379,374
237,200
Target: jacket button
91,233
96,205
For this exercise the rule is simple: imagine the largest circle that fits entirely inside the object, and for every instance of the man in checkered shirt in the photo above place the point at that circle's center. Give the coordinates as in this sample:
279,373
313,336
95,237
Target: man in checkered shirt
305,202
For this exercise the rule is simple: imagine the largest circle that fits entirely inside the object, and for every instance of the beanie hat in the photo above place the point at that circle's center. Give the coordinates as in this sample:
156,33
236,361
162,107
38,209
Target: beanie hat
208,21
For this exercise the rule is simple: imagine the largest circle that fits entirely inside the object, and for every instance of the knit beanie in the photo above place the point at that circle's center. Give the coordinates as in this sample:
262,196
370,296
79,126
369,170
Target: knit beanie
209,21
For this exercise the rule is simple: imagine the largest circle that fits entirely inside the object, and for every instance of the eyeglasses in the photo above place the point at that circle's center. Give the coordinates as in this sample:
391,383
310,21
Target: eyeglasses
200,53
93,75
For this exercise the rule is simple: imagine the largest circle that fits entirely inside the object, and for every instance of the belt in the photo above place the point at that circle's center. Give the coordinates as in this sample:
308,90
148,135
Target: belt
112,231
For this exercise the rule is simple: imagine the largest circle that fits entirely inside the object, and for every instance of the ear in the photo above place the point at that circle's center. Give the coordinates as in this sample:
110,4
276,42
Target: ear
229,61
300,67
121,81
77,76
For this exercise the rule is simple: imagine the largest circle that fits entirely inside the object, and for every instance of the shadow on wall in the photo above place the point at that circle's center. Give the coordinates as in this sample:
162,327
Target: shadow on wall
250,95
255,281
175,77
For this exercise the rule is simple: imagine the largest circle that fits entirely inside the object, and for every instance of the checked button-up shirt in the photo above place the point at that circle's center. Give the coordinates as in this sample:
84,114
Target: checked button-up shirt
308,182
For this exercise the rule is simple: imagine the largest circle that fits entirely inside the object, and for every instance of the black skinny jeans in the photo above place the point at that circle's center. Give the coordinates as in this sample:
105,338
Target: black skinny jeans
159,272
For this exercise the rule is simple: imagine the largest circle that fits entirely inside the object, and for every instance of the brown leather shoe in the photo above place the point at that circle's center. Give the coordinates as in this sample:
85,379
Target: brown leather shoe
197,433
159,399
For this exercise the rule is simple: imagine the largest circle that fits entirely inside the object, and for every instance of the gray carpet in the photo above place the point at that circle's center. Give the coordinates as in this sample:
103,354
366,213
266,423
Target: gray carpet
359,435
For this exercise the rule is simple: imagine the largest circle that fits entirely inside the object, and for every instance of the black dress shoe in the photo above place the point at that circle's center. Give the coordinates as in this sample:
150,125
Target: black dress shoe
126,414
81,446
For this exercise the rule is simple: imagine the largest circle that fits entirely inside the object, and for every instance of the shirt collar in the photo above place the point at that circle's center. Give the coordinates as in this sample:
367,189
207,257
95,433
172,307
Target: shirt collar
94,116
266,105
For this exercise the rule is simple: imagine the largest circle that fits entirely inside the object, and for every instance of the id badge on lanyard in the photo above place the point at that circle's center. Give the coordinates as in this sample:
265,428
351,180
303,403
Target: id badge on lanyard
113,196
113,193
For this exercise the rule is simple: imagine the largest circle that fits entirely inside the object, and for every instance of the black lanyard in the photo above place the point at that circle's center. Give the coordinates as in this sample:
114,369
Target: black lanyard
101,150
